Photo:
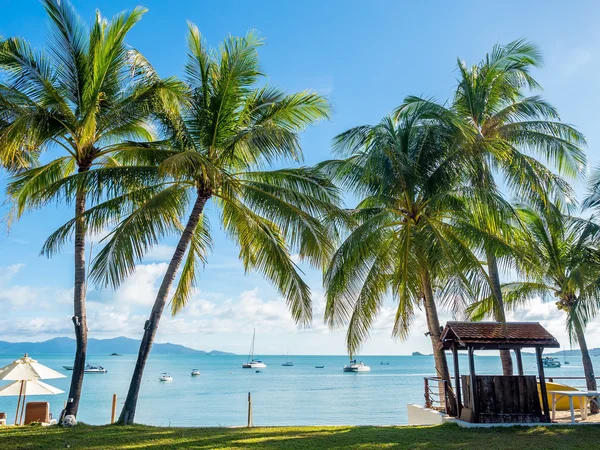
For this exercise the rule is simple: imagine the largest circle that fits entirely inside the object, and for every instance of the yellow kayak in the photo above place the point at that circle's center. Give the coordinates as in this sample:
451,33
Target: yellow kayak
563,403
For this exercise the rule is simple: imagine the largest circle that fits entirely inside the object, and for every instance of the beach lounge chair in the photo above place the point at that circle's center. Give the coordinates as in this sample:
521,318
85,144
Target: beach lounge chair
38,412
2,418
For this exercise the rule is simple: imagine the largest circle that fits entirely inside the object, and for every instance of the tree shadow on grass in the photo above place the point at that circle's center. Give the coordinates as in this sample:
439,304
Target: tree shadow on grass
440,437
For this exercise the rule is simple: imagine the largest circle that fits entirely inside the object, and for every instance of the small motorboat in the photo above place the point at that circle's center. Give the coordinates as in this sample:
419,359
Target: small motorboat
68,367
319,367
258,371
384,363
165,377
195,372
356,366
94,368
550,362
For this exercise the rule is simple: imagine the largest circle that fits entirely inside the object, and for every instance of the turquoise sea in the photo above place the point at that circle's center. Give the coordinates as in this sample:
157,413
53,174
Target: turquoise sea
298,395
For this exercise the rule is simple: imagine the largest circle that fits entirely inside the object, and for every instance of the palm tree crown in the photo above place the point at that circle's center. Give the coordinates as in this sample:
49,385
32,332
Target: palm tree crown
406,240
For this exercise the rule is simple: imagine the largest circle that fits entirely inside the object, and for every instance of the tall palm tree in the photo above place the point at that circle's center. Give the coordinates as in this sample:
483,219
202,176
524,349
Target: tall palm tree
562,265
511,129
215,152
407,242
85,94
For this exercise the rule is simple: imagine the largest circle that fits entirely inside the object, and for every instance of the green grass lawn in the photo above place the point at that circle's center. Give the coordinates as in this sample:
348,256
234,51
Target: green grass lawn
441,437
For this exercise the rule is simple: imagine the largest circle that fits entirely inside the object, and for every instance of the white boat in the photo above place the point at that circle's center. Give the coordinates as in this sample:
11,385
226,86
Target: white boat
252,363
287,362
550,362
195,372
94,368
356,366
165,377
565,361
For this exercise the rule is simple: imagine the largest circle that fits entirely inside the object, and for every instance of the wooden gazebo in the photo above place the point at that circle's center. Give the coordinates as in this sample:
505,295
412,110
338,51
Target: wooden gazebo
498,398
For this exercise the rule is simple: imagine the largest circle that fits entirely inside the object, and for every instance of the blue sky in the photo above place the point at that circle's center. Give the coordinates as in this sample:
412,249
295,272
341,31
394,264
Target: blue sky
366,57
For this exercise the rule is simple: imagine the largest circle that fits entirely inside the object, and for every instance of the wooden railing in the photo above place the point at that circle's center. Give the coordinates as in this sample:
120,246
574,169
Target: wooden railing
437,394
436,391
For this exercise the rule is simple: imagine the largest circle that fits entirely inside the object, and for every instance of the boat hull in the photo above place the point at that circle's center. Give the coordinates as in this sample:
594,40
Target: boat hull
254,366
562,404
357,369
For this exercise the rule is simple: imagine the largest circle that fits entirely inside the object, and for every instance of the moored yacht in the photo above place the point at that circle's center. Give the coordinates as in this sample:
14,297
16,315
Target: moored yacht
287,362
94,368
356,366
165,377
252,363
550,362
195,372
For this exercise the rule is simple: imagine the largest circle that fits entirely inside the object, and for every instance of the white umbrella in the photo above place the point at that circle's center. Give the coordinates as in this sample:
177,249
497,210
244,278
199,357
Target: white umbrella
30,387
25,388
26,369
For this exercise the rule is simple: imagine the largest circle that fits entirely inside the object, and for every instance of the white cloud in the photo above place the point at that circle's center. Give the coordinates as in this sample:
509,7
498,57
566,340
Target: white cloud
160,253
141,287
16,296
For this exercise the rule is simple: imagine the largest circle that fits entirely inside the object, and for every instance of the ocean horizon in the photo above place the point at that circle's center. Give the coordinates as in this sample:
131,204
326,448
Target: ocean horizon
297,395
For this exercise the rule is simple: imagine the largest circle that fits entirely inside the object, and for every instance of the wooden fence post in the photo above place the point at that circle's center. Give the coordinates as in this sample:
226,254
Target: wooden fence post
249,410
114,409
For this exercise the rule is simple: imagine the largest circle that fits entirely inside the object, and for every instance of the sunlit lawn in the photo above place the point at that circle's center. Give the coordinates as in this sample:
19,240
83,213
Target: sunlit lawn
440,437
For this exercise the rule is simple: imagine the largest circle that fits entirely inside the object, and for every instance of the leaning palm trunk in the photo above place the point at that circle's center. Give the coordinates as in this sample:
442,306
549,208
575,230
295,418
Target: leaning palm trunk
128,413
588,368
79,309
505,358
439,356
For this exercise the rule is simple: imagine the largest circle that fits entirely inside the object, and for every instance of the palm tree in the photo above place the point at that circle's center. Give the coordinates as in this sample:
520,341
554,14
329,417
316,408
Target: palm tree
407,242
562,265
217,149
509,130
84,95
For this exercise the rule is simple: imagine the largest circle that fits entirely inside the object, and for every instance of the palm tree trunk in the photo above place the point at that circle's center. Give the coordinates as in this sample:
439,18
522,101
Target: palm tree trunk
588,368
505,358
433,323
79,310
151,326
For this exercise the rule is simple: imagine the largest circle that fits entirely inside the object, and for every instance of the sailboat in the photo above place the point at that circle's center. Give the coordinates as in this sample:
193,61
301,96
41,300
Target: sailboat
252,363
287,362
565,357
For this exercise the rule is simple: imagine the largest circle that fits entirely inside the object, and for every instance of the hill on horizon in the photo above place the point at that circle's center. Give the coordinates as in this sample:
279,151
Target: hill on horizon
120,345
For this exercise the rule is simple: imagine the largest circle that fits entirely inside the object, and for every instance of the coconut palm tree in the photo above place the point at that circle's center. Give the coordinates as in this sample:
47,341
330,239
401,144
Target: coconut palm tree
84,95
511,129
215,153
562,265
407,241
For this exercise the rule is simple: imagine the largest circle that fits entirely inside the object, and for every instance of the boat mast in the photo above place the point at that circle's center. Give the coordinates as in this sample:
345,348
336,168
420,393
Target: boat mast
251,355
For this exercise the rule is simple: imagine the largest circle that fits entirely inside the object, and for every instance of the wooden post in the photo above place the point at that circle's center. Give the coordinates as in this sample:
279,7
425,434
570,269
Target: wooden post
538,354
457,378
427,400
19,403
113,412
474,404
519,361
23,409
249,410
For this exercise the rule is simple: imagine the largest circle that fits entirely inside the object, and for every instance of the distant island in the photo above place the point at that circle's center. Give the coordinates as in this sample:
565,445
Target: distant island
114,347
419,354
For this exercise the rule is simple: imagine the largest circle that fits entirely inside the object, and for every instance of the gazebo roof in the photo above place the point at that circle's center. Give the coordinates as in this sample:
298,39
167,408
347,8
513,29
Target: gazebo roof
495,335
